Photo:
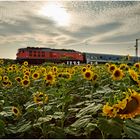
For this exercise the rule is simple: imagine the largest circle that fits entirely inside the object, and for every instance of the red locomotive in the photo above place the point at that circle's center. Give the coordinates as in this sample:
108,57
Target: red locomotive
35,55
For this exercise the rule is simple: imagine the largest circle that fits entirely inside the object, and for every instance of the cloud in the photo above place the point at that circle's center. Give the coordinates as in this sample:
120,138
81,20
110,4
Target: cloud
122,38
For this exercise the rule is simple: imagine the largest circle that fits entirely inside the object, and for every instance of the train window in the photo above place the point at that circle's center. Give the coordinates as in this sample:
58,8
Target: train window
43,54
30,53
38,55
23,51
101,57
34,55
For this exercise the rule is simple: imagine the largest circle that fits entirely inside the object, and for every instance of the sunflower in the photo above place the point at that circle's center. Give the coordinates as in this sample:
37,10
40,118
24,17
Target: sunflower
94,78
14,68
5,83
111,68
43,70
25,77
88,74
18,79
25,82
84,69
9,84
25,63
66,75
88,66
59,75
72,70
129,107
117,74
75,67
10,69
107,64
50,78
137,65
133,74
14,65
1,61
68,70
16,111
55,69
124,67
27,73
40,98
108,110
5,78
132,107
35,75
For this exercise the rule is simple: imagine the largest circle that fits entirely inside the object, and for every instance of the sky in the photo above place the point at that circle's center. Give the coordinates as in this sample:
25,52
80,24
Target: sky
109,27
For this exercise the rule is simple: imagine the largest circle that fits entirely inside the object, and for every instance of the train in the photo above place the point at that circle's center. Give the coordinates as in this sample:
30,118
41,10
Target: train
37,55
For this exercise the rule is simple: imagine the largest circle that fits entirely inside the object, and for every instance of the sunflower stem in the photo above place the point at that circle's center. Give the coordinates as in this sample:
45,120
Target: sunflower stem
103,136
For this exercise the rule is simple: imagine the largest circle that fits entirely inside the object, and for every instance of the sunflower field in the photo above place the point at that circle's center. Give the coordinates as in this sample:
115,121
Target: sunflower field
60,101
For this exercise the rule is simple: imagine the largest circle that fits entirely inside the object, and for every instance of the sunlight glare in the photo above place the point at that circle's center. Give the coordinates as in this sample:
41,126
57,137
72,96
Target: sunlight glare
57,13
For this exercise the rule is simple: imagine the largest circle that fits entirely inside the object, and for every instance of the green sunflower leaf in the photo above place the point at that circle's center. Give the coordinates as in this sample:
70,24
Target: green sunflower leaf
132,128
20,127
43,120
25,127
91,109
112,127
82,122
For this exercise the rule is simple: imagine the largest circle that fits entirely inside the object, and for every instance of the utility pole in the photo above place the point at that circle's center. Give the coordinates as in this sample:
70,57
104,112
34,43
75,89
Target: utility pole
137,49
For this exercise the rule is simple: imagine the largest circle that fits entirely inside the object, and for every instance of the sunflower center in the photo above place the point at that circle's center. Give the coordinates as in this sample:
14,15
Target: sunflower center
18,79
60,75
27,73
112,68
15,111
35,75
67,76
25,82
130,106
49,77
117,73
122,67
137,65
87,74
84,69
5,83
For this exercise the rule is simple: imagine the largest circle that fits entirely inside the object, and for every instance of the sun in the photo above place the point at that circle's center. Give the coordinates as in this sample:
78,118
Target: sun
56,12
